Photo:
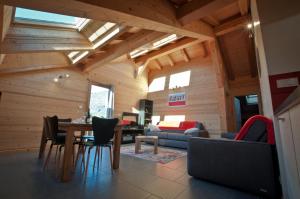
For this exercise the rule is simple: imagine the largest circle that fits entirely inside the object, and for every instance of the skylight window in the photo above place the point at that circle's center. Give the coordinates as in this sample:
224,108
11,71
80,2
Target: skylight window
165,41
34,16
180,79
158,84
144,49
80,56
106,38
103,29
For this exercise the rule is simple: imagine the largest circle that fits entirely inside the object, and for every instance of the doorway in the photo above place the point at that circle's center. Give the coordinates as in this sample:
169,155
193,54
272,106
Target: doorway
101,101
245,107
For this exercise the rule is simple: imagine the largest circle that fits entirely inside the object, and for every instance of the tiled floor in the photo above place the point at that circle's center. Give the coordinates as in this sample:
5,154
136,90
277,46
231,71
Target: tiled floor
21,176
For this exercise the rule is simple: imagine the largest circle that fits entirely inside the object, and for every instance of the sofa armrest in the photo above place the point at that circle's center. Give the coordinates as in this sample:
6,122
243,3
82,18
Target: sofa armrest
245,165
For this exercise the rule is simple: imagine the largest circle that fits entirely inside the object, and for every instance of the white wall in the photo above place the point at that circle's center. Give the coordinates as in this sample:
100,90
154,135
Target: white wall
280,26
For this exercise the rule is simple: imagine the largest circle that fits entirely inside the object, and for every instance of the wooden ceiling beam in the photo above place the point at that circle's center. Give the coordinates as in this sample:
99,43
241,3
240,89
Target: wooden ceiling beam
135,41
23,39
230,26
252,56
157,64
5,21
212,20
185,55
226,60
169,59
195,10
165,50
156,15
244,6
205,48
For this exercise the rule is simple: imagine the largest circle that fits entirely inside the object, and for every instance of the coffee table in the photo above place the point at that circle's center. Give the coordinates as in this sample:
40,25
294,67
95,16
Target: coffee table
139,139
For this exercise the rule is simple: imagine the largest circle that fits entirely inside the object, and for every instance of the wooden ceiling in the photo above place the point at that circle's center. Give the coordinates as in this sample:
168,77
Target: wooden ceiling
139,24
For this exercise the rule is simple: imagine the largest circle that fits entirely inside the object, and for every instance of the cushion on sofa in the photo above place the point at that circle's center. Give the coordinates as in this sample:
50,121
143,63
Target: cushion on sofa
178,136
187,125
193,132
153,127
160,134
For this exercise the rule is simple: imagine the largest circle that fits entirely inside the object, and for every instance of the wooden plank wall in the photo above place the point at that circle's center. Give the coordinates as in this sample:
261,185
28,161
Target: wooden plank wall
27,98
202,95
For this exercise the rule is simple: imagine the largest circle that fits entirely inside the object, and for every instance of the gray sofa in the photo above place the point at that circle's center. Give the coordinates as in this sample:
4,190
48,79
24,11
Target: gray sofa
249,164
177,138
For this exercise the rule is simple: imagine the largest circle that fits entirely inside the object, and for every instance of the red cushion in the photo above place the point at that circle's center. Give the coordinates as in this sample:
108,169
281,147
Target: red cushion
125,122
187,125
270,130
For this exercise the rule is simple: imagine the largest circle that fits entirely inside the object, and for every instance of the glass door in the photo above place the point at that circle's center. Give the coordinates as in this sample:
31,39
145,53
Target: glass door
101,101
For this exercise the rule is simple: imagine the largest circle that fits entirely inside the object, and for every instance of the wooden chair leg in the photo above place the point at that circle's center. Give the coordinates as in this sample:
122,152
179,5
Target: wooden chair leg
83,157
99,156
101,152
59,154
80,150
48,156
95,157
56,154
110,157
87,161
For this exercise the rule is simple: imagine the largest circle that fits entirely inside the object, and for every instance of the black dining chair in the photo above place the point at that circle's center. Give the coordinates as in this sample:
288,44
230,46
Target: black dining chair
104,130
56,136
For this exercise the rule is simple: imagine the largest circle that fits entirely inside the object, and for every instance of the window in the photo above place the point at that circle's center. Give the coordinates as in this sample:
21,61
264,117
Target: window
252,99
173,118
149,47
101,101
155,119
158,84
180,79
101,31
34,16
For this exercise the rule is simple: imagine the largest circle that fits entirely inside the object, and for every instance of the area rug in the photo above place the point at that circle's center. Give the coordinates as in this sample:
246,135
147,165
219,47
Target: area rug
164,155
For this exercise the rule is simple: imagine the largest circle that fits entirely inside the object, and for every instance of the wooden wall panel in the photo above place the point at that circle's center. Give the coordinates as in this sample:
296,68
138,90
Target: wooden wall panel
26,98
202,95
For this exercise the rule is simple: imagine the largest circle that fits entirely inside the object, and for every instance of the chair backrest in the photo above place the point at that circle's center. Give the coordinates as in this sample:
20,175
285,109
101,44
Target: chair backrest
46,130
52,126
104,129
257,128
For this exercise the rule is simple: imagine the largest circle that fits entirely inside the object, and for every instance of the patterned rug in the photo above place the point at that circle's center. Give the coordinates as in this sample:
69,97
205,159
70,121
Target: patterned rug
164,155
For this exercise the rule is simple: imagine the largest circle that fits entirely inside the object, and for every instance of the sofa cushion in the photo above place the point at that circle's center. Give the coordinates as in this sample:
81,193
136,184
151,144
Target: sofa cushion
193,132
160,134
187,125
153,127
178,136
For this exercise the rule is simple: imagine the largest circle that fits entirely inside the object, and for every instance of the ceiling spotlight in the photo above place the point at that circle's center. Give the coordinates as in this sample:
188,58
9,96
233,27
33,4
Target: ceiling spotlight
55,79
249,25
67,75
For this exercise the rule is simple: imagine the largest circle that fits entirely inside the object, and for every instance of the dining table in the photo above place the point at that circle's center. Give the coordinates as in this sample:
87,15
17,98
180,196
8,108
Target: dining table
71,127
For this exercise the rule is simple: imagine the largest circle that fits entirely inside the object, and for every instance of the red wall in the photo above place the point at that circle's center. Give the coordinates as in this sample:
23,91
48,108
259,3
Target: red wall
280,94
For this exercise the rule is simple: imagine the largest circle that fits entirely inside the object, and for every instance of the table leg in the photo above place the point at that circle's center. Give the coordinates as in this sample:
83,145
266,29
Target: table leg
117,148
155,146
42,145
137,145
67,160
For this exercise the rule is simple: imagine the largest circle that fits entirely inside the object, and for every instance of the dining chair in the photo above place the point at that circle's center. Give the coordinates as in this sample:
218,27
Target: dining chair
104,130
56,136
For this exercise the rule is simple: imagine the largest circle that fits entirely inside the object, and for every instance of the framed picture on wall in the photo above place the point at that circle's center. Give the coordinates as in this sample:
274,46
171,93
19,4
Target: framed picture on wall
177,99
